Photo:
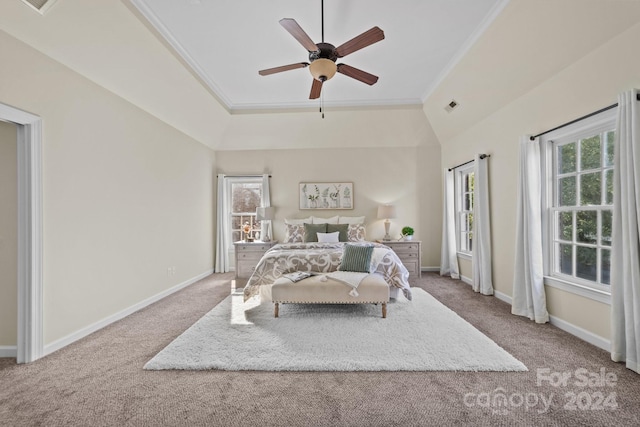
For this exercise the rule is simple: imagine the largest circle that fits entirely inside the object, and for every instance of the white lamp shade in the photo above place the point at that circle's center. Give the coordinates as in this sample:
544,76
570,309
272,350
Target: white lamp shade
386,211
265,213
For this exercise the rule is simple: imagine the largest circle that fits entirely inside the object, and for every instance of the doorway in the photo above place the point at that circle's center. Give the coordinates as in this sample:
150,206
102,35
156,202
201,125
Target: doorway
29,212
8,239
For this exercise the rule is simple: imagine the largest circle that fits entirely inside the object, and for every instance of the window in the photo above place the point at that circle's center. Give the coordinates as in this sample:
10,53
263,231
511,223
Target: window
579,197
464,208
246,196
238,198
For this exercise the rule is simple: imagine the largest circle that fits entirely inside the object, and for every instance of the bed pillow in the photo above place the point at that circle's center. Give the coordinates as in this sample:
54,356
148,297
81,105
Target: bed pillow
328,237
318,220
356,258
356,233
343,229
294,234
351,220
311,231
290,221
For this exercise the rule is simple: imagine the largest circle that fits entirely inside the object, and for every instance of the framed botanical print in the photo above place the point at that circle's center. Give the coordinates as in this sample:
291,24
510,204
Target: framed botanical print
326,195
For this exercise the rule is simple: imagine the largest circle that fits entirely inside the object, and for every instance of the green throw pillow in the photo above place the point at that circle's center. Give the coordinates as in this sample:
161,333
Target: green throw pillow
356,258
342,228
311,231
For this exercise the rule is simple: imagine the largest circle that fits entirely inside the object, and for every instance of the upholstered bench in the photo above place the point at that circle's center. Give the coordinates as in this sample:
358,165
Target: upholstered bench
324,290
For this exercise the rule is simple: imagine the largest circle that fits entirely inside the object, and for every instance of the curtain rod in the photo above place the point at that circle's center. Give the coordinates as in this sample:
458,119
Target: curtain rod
242,176
602,110
482,156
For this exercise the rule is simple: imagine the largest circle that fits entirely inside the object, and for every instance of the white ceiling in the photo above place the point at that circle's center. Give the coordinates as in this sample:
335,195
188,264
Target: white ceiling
226,42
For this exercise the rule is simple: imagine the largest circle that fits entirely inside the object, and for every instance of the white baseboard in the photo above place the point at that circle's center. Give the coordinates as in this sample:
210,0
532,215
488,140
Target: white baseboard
8,351
583,334
65,341
502,296
436,269
577,331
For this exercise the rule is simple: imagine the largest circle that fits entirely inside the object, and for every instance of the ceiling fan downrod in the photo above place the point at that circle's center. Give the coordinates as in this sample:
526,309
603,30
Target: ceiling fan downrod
322,18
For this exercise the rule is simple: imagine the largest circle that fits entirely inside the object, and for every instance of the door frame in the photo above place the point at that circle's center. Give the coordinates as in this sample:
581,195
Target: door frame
30,344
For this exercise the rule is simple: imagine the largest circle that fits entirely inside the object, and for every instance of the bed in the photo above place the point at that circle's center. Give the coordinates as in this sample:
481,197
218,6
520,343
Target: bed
323,258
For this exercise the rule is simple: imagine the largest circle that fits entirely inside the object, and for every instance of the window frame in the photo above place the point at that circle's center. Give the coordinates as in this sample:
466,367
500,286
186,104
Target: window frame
597,124
460,194
230,214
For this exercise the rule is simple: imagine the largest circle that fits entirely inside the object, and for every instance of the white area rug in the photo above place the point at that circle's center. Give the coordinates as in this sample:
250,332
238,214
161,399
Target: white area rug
418,335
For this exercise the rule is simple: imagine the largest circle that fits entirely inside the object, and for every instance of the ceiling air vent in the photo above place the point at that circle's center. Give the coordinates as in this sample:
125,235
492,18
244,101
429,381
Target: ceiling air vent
39,5
451,105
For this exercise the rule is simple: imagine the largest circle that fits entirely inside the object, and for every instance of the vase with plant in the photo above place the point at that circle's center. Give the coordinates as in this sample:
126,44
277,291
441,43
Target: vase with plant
313,198
407,233
346,194
247,232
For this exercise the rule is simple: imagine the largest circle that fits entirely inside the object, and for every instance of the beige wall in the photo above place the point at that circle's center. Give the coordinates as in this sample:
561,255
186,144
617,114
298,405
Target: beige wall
131,61
403,176
391,155
364,128
8,234
125,195
590,83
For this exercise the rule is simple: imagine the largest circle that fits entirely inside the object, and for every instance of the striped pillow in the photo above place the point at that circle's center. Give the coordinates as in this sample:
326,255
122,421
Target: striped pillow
356,258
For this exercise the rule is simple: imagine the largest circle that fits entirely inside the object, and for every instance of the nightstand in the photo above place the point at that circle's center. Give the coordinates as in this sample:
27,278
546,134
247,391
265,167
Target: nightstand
409,252
247,256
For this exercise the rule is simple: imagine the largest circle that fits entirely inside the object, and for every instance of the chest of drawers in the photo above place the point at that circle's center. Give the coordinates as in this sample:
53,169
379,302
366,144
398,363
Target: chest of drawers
247,256
410,253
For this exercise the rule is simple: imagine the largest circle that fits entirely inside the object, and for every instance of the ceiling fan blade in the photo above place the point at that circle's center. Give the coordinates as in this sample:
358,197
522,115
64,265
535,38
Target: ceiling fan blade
316,87
283,68
365,39
298,33
357,74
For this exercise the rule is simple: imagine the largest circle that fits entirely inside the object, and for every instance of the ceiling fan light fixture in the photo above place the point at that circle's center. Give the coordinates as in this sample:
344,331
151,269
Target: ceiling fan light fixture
323,69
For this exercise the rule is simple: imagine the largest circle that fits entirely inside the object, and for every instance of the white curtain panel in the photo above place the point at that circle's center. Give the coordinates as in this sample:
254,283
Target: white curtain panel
481,250
266,202
529,298
448,256
223,231
625,261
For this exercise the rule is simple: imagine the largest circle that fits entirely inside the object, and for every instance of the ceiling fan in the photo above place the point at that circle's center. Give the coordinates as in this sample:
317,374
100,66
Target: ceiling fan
323,56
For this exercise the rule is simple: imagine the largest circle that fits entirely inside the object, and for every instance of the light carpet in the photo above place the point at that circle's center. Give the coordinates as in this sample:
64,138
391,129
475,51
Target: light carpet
418,335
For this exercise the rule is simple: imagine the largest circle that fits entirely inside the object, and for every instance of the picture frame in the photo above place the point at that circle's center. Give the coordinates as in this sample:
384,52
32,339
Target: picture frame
326,195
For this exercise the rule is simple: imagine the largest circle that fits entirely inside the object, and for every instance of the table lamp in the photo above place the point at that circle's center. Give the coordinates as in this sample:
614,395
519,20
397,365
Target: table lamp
266,214
385,212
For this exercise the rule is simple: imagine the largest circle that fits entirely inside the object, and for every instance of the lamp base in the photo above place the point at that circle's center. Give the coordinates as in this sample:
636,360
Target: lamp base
387,236
266,237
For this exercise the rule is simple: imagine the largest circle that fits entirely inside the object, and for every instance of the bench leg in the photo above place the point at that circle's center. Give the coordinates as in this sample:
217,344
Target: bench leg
384,310
275,312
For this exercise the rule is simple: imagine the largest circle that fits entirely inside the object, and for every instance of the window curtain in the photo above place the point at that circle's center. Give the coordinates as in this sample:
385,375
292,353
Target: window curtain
448,256
529,298
266,202
625,262
481,250
223,226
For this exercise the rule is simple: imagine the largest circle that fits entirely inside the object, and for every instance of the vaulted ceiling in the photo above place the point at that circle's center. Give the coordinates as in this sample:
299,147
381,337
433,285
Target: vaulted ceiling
227,42
482,53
